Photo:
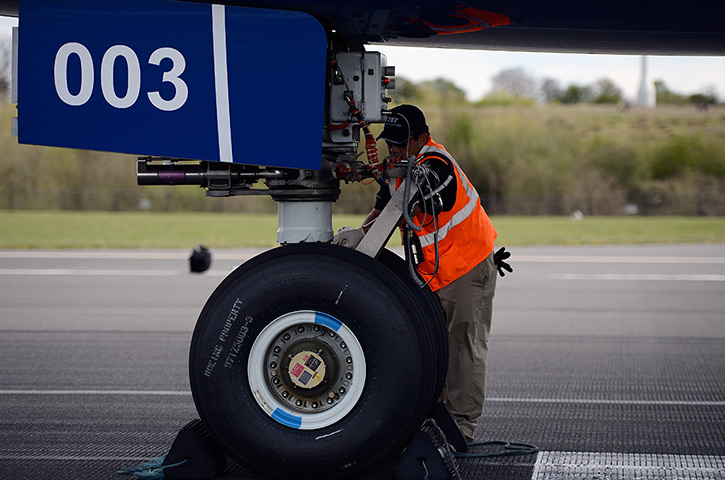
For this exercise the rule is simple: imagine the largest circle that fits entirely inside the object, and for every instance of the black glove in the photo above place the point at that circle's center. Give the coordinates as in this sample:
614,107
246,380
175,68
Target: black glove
498,260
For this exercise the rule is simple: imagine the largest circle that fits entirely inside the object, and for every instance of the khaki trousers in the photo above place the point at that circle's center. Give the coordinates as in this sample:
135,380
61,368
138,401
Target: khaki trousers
468,306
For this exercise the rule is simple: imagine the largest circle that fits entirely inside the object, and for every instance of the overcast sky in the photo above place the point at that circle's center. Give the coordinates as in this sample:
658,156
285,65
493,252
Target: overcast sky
472,70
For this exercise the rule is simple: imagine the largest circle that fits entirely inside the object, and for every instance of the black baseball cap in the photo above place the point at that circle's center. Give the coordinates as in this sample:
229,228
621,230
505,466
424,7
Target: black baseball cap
404,121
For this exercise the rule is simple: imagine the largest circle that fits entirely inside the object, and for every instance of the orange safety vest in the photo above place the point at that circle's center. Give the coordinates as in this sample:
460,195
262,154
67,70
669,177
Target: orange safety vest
465,233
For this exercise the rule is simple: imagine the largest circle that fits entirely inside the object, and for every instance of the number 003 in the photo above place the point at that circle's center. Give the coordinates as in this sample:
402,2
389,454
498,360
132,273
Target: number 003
133,89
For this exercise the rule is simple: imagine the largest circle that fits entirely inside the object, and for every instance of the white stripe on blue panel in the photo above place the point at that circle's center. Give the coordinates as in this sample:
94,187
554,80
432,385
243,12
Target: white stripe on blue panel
221,82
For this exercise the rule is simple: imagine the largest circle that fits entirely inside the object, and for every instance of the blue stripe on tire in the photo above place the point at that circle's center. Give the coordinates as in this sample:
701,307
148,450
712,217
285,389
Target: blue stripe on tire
287,419
328,321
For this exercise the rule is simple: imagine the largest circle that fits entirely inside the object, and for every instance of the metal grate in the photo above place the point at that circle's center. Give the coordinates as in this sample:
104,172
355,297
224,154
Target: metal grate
627,466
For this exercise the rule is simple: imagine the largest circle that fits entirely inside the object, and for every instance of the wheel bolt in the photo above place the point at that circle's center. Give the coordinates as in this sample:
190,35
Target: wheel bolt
348,359
277,349
286,336
342,345
348,375
314,405
275,380
300,329
341,390
331,334
329,401
298,403
273,365
285,394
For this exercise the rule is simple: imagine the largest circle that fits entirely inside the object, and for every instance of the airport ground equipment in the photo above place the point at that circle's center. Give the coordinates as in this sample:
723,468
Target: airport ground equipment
311,359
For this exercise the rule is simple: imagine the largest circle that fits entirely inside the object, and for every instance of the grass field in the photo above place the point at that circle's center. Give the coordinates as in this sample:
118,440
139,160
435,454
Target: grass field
65,230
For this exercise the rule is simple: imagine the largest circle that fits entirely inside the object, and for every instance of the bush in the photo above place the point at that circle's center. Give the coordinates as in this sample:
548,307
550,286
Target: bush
675,157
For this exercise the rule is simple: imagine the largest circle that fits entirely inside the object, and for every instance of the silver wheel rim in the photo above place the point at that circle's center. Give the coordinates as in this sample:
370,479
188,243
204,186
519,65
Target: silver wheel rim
306,370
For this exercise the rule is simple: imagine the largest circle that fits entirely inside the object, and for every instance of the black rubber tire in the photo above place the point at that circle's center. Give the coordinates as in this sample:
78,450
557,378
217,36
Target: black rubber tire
377,308
434,320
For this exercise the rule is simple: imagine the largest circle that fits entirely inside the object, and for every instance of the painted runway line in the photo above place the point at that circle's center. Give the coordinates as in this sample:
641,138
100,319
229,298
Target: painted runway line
604,401
123,254
585,401
638,277
96,392
616,259
46,272
247,253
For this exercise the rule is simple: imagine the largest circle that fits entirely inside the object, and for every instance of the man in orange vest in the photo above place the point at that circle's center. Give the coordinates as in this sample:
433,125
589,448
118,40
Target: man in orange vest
457,242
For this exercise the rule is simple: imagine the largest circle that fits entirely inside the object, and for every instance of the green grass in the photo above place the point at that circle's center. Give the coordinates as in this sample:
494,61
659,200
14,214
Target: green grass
57,230
608,230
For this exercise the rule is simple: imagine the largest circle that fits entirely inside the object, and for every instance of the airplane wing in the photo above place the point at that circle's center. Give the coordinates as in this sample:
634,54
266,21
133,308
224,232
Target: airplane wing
615,26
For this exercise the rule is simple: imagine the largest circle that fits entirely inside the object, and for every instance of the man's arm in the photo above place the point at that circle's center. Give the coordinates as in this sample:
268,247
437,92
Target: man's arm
367,223
381,200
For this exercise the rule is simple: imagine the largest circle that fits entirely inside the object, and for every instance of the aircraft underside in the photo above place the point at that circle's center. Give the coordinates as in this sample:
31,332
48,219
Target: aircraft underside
694,28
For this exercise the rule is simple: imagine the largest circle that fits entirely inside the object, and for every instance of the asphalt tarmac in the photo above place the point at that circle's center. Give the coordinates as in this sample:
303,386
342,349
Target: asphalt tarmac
611,359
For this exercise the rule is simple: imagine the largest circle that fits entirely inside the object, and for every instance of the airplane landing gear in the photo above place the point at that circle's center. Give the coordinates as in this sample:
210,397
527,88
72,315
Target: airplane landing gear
316,361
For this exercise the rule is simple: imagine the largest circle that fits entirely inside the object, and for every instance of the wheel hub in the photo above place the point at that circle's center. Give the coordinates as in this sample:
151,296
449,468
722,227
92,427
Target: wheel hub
313,369
307,369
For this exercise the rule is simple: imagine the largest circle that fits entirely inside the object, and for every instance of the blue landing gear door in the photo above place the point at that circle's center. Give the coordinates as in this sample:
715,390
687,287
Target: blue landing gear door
171,78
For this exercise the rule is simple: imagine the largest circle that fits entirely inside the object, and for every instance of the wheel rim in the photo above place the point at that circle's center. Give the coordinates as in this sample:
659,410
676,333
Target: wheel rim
306,370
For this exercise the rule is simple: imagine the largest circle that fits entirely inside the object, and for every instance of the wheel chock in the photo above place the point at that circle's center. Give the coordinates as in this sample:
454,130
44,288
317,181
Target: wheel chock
428,456
194,454
445,421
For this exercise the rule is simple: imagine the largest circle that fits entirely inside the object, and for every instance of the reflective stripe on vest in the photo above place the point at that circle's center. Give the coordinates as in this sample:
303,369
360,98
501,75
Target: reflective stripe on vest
461,215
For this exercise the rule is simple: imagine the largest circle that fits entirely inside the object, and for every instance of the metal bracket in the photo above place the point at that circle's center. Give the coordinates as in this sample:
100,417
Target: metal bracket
389,218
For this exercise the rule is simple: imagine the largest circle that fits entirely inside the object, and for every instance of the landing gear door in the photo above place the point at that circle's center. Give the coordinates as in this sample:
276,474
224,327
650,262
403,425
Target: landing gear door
171,78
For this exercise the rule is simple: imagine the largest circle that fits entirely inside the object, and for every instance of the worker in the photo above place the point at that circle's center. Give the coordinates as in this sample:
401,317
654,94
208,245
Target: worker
462,271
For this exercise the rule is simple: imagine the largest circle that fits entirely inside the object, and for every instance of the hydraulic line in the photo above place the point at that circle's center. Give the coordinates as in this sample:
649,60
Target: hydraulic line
371,147
413,269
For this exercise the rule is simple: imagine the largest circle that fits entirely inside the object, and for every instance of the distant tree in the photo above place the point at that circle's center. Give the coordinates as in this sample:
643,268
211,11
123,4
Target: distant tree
577,94
708,96
551,90
516,82
702,101
5,67
445,89
448,89
711,91
606,91
406,91
667,97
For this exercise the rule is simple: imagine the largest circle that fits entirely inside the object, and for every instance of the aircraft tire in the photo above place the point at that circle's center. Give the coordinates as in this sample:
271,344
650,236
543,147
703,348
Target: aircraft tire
435,319
310,360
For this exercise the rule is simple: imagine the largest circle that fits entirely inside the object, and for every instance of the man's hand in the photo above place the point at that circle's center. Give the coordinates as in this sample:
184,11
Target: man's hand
348,237
498,260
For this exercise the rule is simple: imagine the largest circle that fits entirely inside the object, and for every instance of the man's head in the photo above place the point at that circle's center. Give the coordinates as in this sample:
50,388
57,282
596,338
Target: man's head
405,131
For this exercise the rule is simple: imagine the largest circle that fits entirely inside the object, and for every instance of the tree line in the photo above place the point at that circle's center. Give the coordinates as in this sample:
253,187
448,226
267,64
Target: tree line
554,157
515,86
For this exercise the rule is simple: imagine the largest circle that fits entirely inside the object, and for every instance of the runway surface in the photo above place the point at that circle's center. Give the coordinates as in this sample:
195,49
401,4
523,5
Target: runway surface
610,359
